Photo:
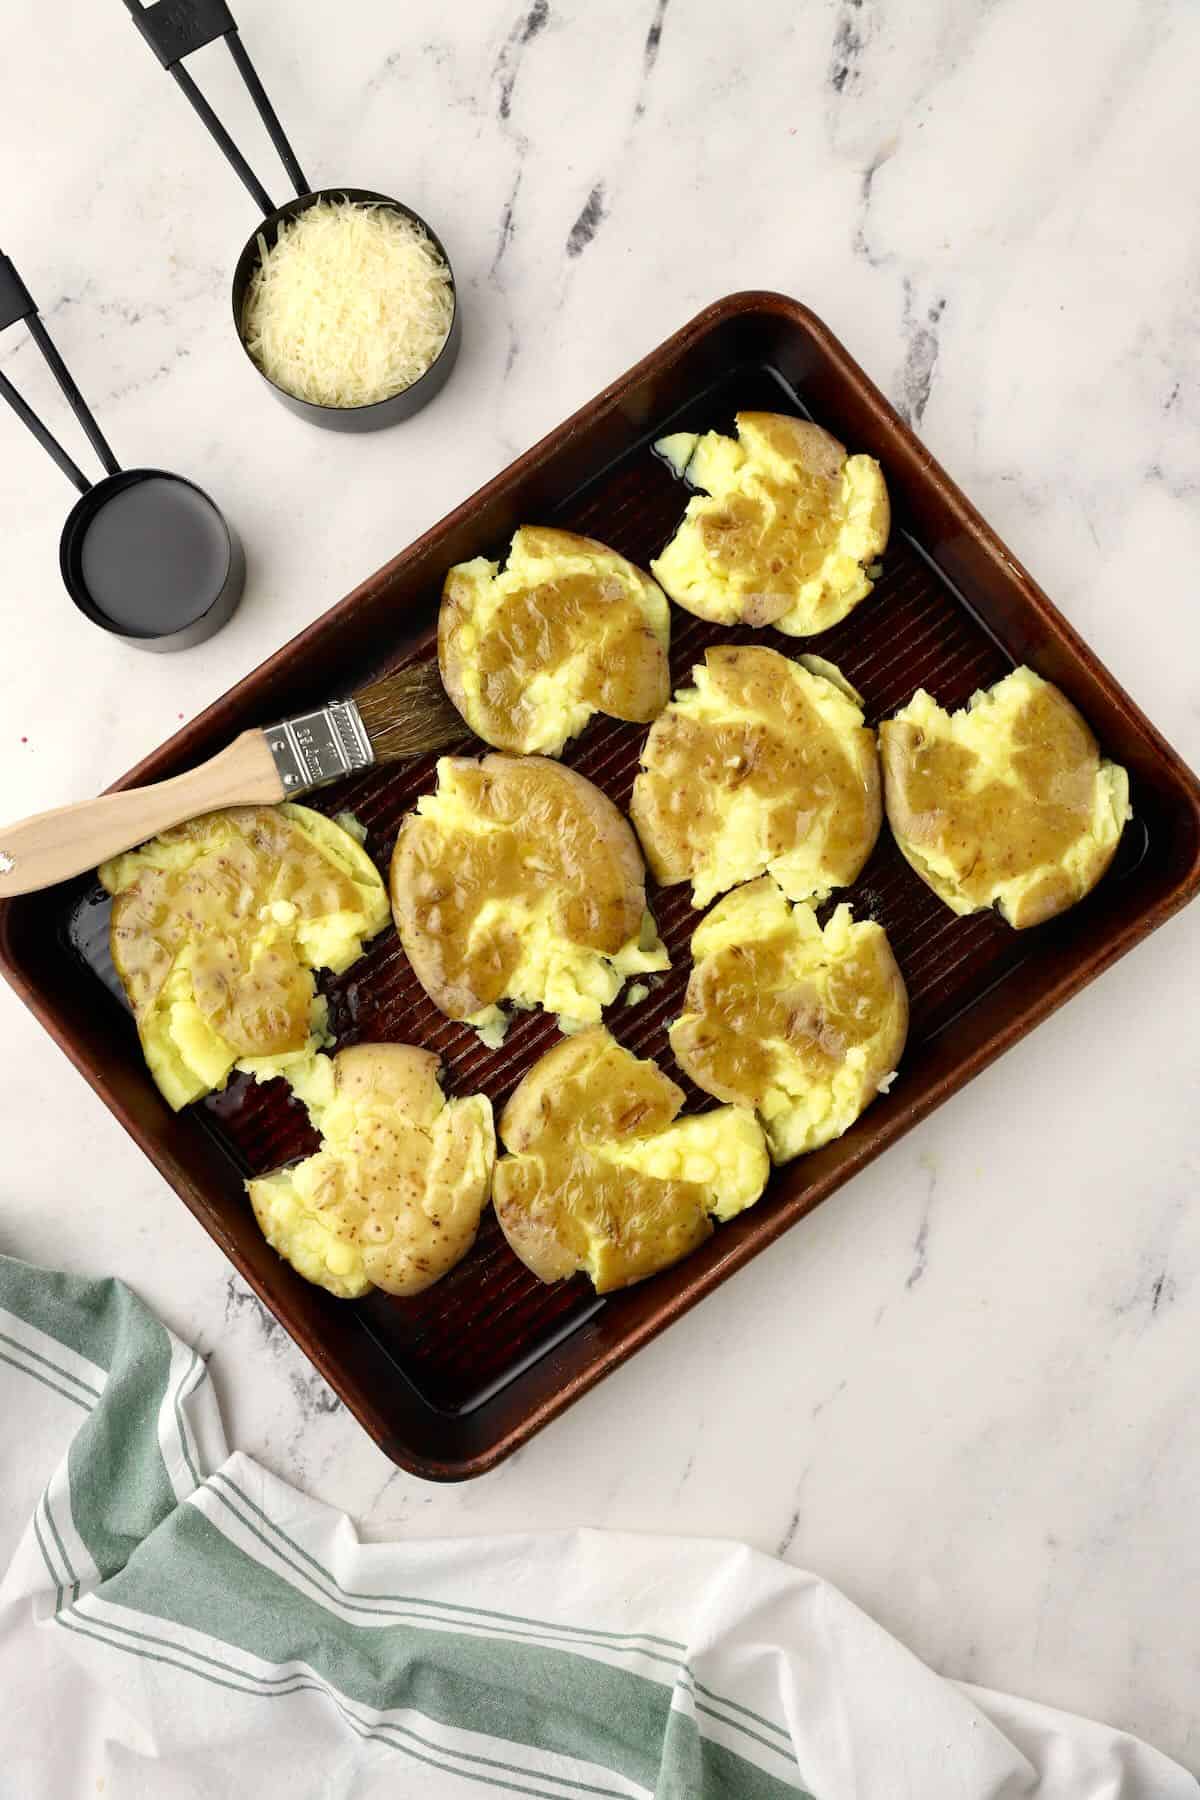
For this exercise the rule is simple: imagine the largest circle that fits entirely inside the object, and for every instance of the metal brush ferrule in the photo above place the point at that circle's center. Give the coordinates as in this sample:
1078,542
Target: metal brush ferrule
318,747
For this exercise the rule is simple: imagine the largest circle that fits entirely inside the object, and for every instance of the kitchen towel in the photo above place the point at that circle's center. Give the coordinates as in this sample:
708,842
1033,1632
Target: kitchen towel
175,1622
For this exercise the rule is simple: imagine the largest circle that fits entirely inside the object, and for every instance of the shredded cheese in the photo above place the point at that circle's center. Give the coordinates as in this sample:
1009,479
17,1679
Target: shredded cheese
349,306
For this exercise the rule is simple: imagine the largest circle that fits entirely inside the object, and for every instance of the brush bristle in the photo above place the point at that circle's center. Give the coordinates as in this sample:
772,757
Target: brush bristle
408,713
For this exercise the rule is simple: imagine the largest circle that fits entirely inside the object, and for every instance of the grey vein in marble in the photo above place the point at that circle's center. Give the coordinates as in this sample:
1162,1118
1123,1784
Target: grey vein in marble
686,1476
650,52
313,1396
788,1536
862,246
240,1302
818,1406
591,216
529,25
920,1249
920,326
504,236
849,41
1159,1284
508,64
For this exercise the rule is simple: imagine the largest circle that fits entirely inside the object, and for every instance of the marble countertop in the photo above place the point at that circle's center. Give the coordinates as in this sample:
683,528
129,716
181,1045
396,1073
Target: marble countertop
964,1389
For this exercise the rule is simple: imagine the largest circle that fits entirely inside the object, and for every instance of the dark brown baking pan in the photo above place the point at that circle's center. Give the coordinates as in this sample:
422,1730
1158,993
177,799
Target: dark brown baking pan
451,1382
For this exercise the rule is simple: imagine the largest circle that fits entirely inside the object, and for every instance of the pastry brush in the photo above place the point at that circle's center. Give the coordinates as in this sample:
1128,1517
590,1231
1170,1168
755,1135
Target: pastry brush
405,714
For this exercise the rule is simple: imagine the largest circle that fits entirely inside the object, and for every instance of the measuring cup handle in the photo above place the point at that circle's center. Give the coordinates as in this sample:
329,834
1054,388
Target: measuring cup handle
173,29
17,303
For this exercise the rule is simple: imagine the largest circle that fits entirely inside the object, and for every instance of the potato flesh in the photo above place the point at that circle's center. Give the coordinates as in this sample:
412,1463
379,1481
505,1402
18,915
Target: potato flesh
217,927
600,1176
784,532
394,1195
721,1151
517,881
567,630
1006,803
761,766
800,1024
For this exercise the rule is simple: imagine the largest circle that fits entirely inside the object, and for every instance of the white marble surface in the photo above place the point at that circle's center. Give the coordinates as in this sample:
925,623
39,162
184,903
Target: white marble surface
964,1389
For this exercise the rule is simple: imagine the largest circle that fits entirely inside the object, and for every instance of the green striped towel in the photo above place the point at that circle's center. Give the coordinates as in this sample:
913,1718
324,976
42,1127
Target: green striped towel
176,1622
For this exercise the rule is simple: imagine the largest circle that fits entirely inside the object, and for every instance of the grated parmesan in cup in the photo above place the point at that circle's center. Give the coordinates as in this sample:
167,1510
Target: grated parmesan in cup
350,305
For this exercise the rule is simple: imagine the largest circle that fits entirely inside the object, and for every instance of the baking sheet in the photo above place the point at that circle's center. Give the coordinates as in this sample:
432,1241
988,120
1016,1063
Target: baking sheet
489,1354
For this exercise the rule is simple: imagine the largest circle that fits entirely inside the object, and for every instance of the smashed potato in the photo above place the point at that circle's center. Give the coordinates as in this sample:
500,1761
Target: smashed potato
600,1176
518,881
763,765
1007,803
567,630
217,927
804,1025
786,532
392,1198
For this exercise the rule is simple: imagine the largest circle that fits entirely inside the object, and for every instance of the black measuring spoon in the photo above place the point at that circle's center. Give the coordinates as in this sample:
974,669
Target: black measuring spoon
174,29
144,554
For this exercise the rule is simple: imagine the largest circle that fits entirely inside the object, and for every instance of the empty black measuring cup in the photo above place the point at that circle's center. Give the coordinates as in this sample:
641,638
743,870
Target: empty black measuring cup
173,29
144,554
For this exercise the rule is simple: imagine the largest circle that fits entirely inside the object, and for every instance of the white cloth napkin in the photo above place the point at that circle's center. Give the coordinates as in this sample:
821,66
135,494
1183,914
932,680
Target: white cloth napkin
175,1622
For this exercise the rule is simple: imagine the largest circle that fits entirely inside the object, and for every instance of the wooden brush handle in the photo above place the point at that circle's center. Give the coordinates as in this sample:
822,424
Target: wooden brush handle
52,846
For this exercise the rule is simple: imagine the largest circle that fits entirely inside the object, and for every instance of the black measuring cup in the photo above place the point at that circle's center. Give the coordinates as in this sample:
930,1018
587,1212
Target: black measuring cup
174,29
144,554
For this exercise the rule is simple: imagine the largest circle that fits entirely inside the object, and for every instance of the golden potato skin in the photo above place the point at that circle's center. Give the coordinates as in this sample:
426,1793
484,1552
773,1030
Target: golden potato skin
394,1195
568,629
570,1196
799,1023
763,740
589,1090
524,836
224,919
785,531
565,1215
1007,803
